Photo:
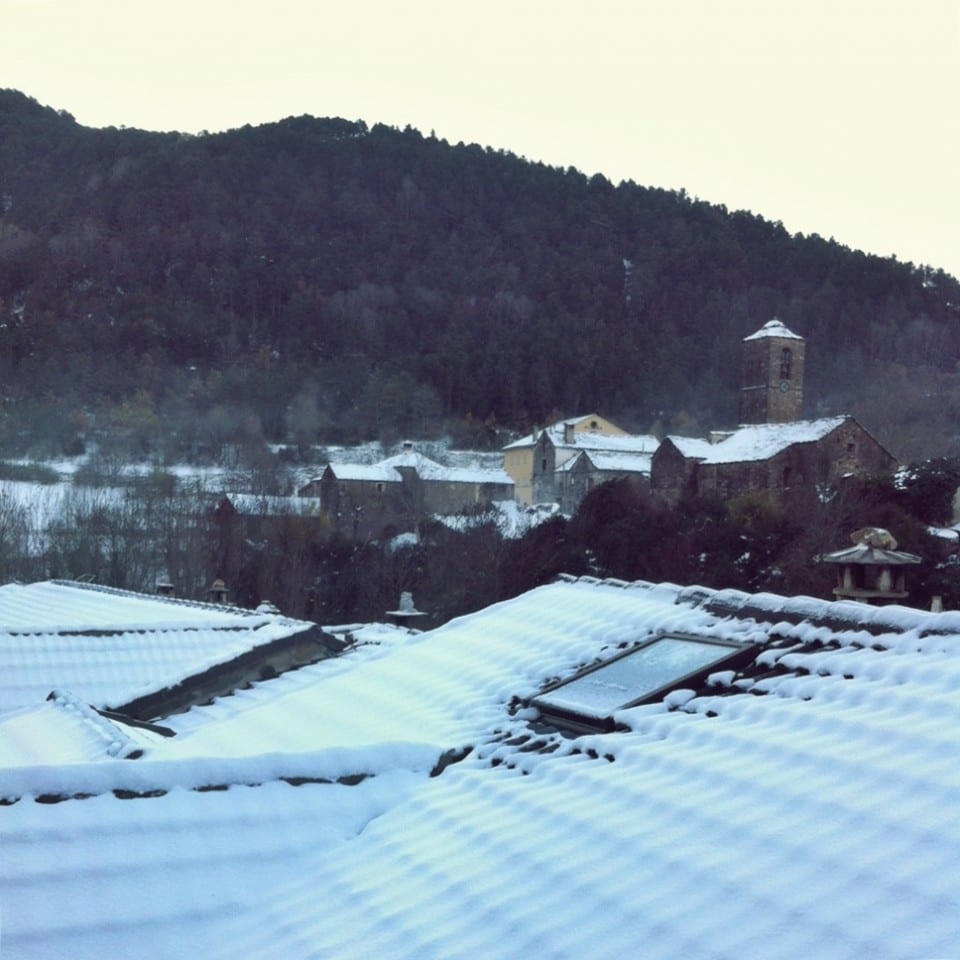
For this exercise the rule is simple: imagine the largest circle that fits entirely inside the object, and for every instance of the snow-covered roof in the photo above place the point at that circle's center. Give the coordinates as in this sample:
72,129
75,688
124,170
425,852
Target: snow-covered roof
376,472
693,448
601,443
866,555
774,328
805,808
531,438
588,440
764,440
109,646
63,729
616,461
386,470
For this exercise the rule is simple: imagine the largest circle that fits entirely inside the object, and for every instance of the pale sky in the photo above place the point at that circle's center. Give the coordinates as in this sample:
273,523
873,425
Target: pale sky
837,117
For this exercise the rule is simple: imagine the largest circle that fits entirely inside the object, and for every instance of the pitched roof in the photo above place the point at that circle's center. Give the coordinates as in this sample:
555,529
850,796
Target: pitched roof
764,440
109,646
640,443
628,461
589,441
63,729
693,448
386,470
803,807
531,438
774,328
867,555
376,472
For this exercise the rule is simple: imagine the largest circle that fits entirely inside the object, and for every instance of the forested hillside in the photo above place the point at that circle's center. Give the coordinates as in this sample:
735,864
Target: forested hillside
316,280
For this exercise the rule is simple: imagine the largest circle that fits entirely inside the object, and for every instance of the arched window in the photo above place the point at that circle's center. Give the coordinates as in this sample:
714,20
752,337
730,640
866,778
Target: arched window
786,358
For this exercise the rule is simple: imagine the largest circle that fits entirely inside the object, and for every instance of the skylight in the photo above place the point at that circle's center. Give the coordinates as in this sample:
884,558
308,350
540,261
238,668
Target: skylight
641,675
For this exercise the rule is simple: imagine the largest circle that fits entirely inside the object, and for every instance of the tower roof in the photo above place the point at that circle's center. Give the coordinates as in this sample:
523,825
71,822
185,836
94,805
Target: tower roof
774,328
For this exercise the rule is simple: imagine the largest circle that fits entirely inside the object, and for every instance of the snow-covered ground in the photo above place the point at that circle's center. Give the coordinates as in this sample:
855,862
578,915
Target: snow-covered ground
43,504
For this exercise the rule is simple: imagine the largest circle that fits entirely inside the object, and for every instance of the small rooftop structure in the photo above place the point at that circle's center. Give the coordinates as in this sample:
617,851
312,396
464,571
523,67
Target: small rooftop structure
872,570
406,611
218,591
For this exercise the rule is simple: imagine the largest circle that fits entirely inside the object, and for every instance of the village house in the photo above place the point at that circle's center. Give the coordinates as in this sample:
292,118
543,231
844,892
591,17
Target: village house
243,516
395,495
563,462
773,451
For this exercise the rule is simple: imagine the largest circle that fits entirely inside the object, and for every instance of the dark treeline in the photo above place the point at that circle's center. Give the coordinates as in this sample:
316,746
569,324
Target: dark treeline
316,280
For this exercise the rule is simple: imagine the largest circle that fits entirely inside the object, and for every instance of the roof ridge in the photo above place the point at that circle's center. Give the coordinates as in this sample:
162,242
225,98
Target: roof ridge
159,598
117,743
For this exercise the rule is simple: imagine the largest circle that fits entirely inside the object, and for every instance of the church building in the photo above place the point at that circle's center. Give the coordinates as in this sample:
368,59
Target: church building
772,450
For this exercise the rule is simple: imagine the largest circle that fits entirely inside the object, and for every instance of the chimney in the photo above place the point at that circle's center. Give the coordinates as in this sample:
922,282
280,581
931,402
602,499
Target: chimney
218,591
568,432
406,612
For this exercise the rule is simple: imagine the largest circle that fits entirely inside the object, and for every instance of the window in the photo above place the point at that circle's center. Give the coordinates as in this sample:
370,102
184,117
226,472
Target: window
543,465
643,674
786,360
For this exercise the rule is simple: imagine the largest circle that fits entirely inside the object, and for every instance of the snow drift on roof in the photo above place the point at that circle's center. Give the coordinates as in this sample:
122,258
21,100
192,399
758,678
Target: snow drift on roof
773,328
764,440
607,462
693,448
427,469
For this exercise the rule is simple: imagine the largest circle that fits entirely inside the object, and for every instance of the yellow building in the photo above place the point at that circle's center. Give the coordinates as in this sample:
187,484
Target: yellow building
536,461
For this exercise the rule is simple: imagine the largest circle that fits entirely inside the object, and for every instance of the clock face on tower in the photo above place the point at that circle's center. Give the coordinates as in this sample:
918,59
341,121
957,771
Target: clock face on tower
784,386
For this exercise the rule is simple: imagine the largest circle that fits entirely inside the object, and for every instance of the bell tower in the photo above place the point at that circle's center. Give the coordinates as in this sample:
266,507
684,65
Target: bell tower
771,382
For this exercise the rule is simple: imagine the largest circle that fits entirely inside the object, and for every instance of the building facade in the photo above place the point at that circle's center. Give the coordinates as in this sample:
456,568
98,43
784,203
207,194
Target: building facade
563,462
533,458
393,496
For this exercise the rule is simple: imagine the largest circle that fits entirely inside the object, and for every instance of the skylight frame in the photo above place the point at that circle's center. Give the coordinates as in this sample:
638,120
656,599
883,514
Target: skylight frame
593,720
